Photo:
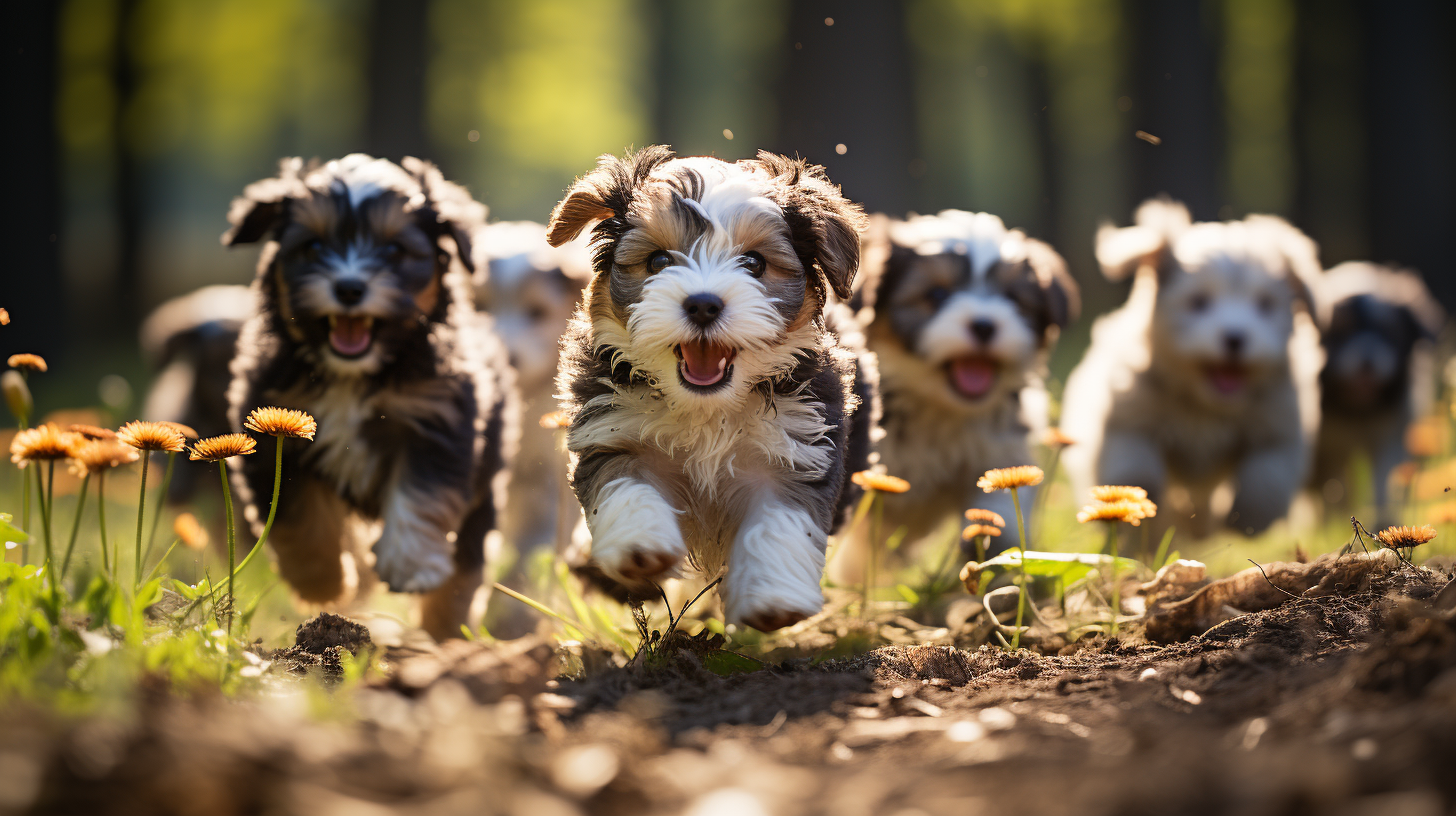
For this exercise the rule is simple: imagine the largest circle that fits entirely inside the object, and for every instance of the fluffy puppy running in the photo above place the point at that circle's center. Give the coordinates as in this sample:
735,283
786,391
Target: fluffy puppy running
1207,373
715,413
365,321
531,289
961,313
1378,325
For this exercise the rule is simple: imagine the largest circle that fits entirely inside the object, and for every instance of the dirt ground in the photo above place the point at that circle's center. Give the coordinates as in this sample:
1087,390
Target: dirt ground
1345,704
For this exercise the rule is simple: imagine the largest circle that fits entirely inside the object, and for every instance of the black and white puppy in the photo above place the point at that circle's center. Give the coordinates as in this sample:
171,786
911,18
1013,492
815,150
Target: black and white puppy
365,321
1377,327
961,313
715,413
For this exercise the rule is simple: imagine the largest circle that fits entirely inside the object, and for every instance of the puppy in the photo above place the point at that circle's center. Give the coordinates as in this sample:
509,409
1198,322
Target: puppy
960,312
531,289
191,340
365,321
1207,373
715,413
1378,325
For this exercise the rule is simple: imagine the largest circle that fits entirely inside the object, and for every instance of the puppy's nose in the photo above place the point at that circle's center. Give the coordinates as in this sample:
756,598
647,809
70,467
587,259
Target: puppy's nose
703,308
349,291
983,329
1233,343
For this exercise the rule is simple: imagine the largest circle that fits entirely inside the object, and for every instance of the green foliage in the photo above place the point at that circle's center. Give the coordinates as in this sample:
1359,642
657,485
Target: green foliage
1067,568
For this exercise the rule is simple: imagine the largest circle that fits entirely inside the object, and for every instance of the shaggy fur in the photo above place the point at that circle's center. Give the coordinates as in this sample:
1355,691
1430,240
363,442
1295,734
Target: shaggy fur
715,412
1378,325
961,313
1206,375
365,321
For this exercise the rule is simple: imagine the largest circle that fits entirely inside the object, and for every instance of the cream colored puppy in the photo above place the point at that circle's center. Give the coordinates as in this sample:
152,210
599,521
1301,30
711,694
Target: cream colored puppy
1207,376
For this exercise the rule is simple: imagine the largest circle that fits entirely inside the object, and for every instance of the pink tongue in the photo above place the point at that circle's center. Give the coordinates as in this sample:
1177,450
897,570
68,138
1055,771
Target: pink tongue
350,336
1226,379
972,376
704,363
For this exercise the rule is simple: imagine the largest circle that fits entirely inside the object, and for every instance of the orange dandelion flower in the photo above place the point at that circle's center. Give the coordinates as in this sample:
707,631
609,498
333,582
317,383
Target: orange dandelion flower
191,532
1116,493
4,318
974,530
218,448
97,455
883,482
554,421
151,436
1010,478
1054,438
92,432
185,430
981,514
1400,537
44,442
29,362
1128,511
281,422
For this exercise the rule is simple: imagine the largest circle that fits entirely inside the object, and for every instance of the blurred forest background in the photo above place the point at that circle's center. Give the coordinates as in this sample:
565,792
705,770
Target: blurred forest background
133,122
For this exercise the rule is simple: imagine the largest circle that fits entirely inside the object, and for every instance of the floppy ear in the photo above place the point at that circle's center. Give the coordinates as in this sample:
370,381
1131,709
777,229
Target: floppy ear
1060,292
263,204
1147,243
824,225
455,210
1301,256
604,193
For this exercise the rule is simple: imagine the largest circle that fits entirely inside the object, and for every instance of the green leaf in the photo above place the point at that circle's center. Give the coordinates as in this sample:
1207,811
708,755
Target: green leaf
724,663
909,595
9,532
1068,567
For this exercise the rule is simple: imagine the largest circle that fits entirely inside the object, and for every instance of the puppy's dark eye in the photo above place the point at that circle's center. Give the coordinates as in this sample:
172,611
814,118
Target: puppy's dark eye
394,250
754,264
658,261
1266,303
1198,303
536,314
312,249
936,295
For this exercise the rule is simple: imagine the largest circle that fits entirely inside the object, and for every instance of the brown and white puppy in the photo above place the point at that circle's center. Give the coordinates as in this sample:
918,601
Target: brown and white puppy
961,313
715,414
531,289
1378,326
1207,374
365,321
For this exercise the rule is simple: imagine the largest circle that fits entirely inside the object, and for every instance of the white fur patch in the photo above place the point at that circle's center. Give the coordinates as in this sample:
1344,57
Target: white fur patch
776,563
629,517
413,553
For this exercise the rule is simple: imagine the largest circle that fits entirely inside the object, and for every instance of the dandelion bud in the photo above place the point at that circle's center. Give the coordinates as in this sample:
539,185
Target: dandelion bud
17,394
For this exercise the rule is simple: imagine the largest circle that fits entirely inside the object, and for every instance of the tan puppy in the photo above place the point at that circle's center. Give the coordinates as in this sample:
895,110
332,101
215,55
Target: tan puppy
1207,374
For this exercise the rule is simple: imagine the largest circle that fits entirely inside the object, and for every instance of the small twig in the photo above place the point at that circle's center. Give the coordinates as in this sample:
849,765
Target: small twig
1271,583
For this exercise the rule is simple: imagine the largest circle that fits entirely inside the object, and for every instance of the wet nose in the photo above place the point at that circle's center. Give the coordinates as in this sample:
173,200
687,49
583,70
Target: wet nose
703,308
349,291
983,329
1233,343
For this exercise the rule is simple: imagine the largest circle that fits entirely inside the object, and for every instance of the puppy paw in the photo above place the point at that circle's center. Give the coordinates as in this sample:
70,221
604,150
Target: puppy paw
641,562
770,619
635,533
411,569
766,613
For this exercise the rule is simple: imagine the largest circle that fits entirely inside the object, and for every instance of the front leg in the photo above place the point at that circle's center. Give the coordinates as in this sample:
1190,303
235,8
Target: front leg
635,532
776,565
415,551
1267,481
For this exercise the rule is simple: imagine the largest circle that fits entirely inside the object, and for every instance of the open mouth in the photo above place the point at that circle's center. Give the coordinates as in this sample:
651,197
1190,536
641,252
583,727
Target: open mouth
972,377
1227,378
351,335
704,365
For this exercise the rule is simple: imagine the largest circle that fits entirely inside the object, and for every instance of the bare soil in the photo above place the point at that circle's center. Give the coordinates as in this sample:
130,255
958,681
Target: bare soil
1342,704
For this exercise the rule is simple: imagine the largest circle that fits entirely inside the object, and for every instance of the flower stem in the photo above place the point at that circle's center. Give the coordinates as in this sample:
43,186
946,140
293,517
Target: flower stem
45,520
272,511
161,500
872,570
1112,552
227,503
24,512
1021,597
75,525
141,511
101,512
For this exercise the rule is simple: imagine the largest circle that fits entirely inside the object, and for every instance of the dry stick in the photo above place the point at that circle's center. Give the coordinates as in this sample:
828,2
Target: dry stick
75,525
1271,583
161,500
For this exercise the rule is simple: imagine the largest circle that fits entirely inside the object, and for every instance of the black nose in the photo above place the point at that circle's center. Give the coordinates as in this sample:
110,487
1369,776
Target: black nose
1233,343
349,291
983,329
703,308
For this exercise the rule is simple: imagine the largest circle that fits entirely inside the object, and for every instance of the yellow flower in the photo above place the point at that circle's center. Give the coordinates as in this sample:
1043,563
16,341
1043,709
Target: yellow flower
1054,438
45,442
97,455
192,534
1010,478
973,530
281,422
1116,493
151,436
883,482
1400,537
185,430
29,362
1128,511
979,514
218,448
92,432
554,421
